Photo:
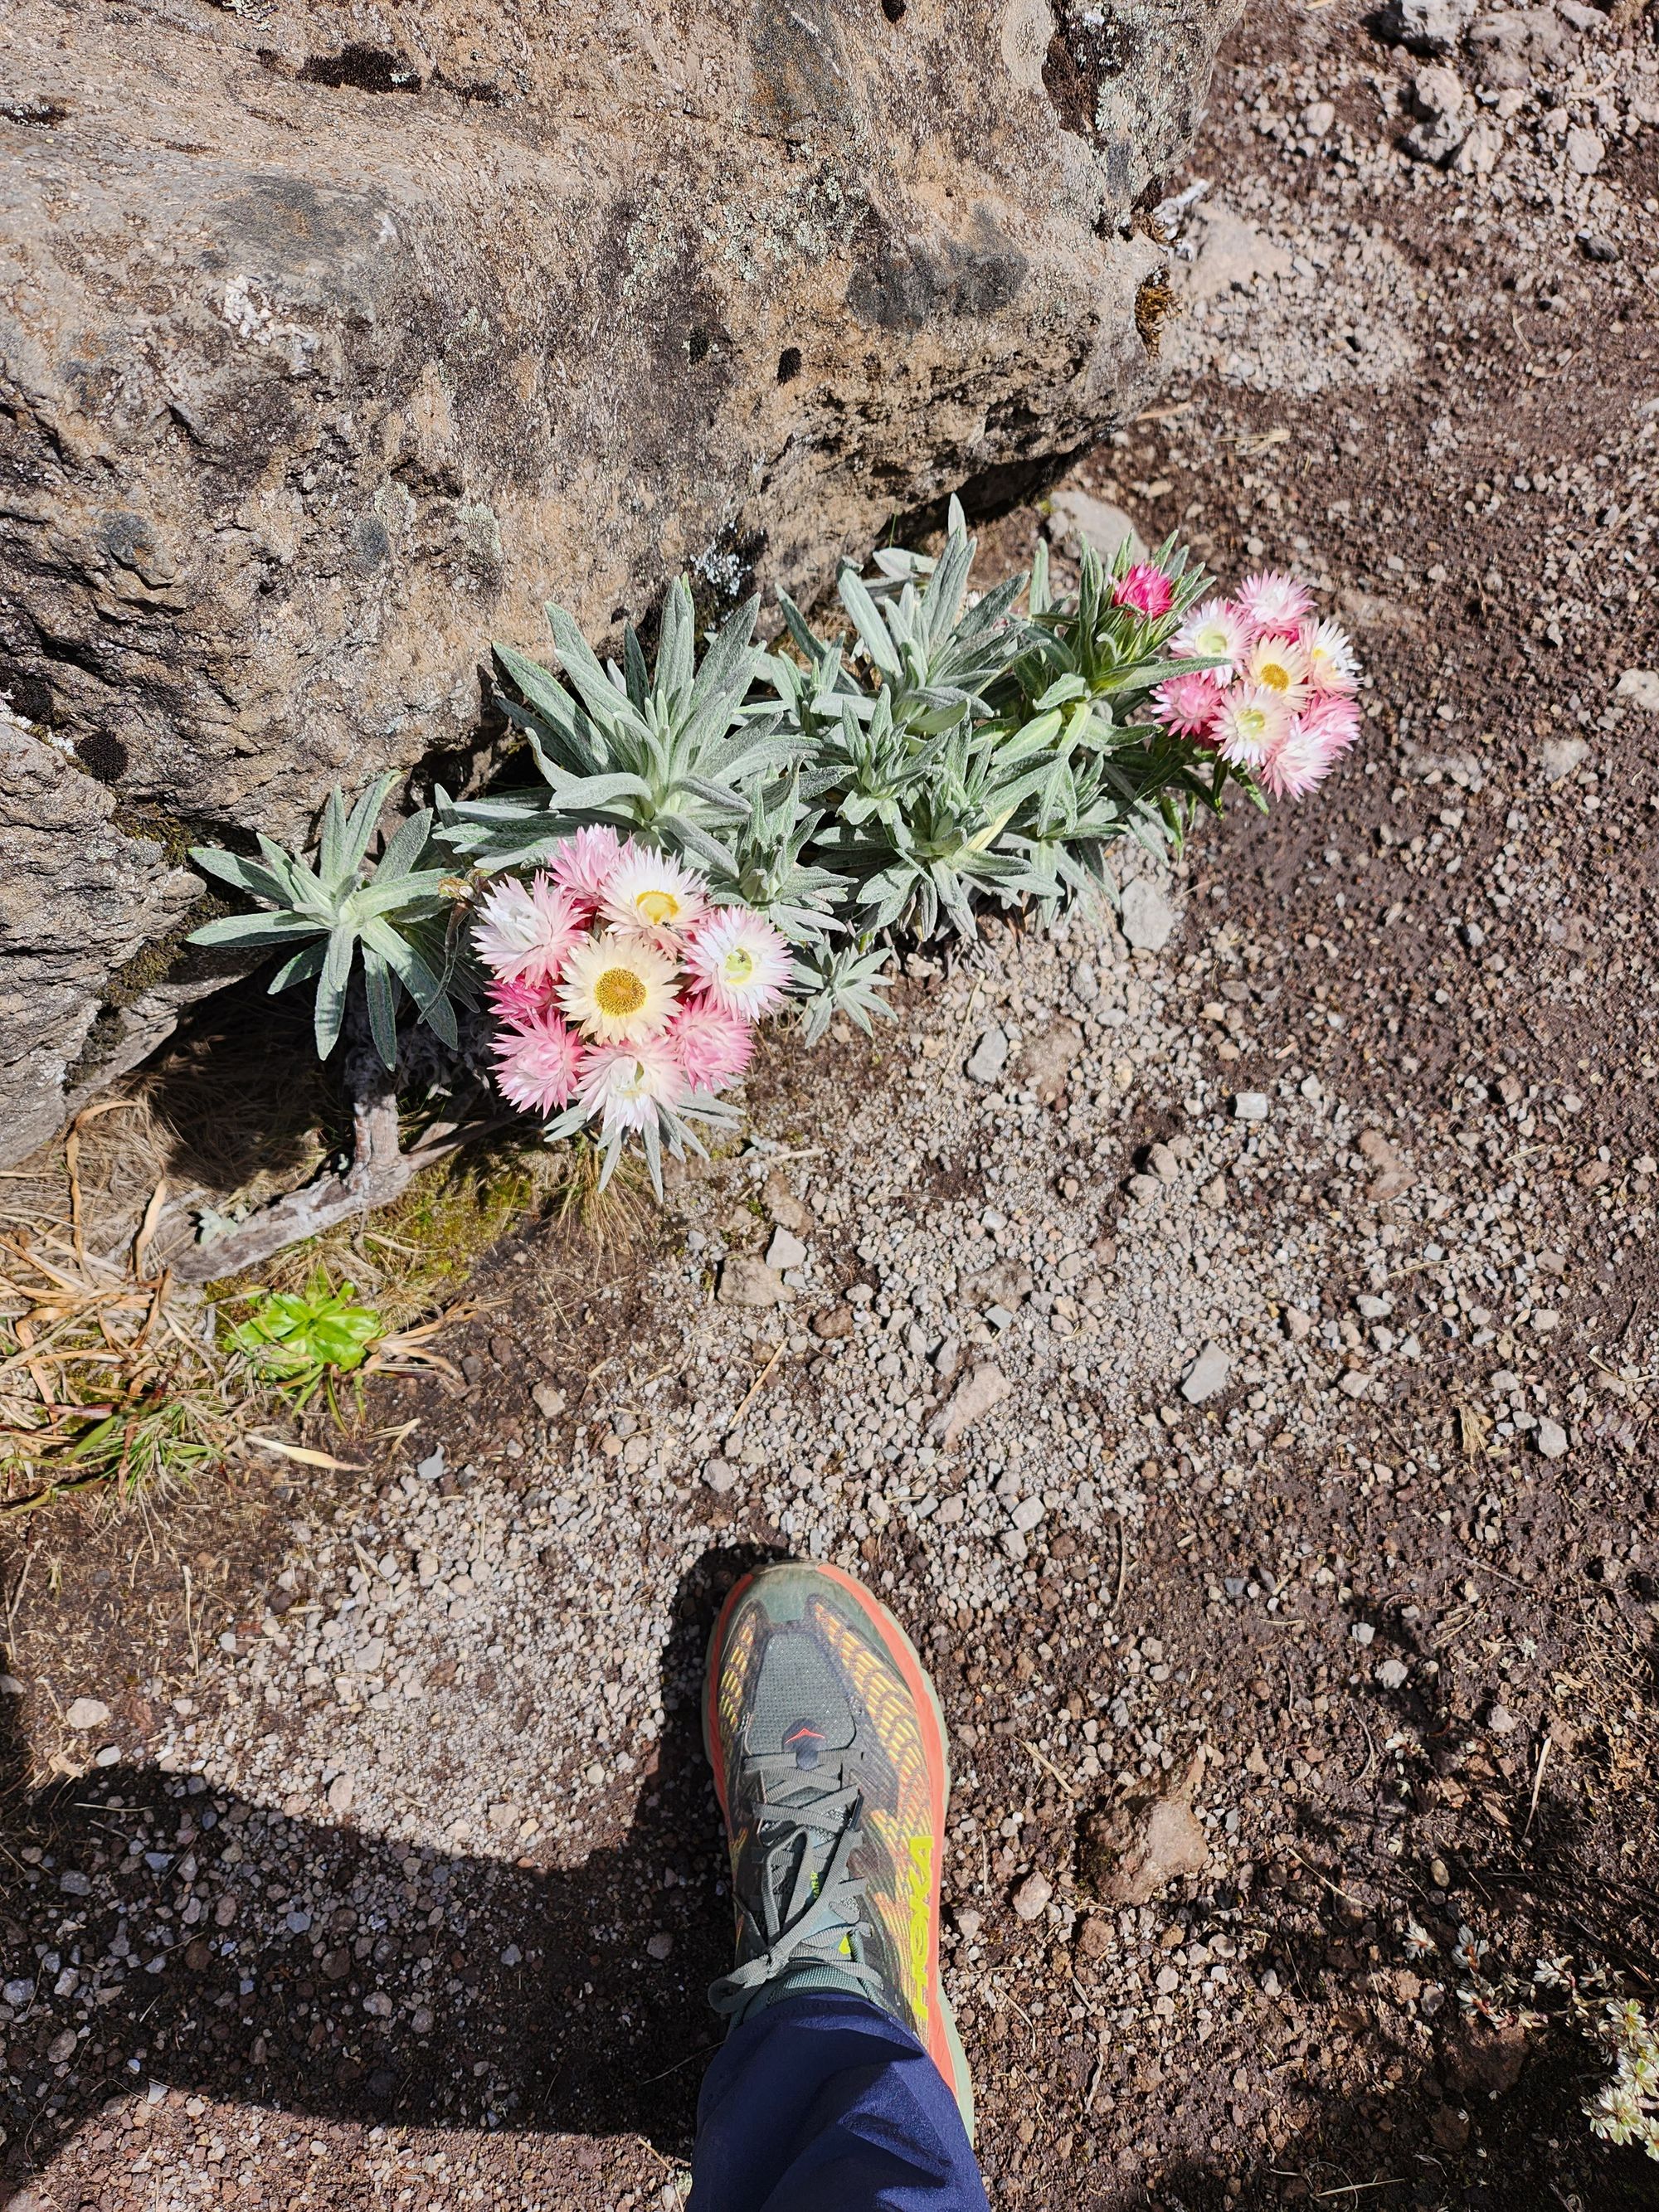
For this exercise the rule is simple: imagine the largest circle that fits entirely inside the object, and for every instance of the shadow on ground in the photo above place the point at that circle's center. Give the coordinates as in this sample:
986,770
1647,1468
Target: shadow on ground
511,1998
535,2003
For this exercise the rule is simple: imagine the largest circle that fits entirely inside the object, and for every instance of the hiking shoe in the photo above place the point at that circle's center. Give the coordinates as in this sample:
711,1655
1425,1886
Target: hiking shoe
828,1747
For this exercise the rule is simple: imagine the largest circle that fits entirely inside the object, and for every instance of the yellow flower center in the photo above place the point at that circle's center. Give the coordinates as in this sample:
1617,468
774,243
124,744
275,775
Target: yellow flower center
619,991
1252,723
1275,675
739,965
659,909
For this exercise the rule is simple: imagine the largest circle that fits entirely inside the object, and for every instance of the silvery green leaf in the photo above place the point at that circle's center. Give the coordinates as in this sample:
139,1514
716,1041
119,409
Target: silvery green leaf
330,858
330,1009
651,1138
553,717
847,982
404,847
360,826
813,646
677,640
300,969
691,838
412,970
565,1124
726,804
728,667
872,631
252,929
1041,731
605,701
592,793
302,884
635,676
1069,686
380,993
259,882
416,894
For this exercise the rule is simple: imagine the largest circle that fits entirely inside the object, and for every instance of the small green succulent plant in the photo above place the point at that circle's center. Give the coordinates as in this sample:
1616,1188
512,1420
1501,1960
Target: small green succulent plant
301,1341
328,914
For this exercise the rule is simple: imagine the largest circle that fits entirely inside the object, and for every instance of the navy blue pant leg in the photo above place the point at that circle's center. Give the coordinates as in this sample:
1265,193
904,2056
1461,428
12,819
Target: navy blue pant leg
825,2104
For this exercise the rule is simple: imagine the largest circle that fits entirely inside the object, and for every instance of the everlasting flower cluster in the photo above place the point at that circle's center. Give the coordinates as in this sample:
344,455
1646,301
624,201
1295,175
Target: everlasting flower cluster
623,997
1277,699
1627,2109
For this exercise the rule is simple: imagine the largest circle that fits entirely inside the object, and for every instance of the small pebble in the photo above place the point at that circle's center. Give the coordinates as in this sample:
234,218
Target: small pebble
1032,1896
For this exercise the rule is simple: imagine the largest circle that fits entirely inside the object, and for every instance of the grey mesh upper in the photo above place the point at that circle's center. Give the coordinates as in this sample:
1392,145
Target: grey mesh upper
798,1902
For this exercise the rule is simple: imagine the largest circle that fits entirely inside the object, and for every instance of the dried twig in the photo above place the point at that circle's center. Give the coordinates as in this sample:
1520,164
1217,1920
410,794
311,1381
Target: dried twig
1537,1783
380,1173
304,1454
1047,1767
754,1389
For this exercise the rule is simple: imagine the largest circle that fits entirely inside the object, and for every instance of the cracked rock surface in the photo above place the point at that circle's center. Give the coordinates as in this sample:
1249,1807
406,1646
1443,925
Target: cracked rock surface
338,340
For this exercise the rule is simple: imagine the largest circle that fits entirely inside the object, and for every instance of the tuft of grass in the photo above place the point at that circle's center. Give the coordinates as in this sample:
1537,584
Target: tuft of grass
163,1436
105,1379
114,1379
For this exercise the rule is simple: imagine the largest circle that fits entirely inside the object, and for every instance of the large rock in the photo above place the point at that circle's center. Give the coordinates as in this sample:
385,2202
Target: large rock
78,898
337,338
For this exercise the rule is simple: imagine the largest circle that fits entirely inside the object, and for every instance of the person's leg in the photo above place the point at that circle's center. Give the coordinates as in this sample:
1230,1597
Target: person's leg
843,2083
827,2104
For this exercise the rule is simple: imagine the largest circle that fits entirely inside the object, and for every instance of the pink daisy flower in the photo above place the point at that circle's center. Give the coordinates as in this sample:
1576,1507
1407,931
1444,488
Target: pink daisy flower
1145,588
1187,705
1215,631
518,1003
713,1047
1250,722
1315,739
583,862
1273,602
622,1086
523,931
741,962
536,1063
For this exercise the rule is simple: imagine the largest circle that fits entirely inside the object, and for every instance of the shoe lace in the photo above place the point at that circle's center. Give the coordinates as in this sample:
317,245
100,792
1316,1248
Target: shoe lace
804,1907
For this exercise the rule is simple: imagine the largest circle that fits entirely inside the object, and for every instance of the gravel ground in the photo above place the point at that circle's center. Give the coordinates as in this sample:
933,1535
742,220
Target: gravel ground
1225,1340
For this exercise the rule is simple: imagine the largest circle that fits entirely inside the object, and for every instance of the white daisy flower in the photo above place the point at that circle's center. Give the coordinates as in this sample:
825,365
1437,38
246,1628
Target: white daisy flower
1252,721
1273,601
1279,665
622,1085
1333,664
522,932
740,961
649,890
1215,631
617,989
